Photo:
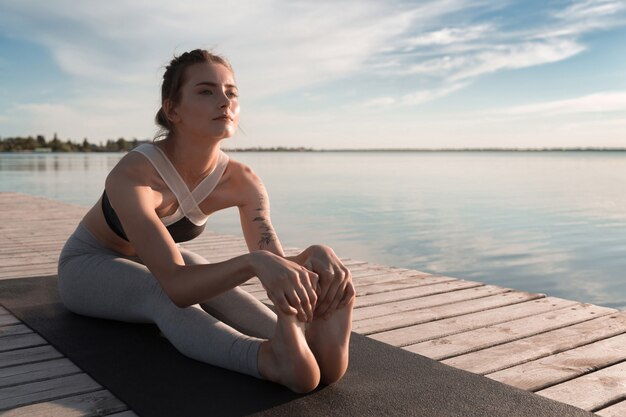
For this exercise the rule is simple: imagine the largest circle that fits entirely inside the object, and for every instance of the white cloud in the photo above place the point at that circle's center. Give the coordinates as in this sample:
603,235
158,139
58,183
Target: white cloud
592,103
590,9
491,58
275,46
423,96
523,55
447,36
379,102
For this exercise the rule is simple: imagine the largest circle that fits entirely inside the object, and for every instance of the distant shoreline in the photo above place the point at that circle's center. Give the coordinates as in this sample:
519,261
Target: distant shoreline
389,150
39,144
435,150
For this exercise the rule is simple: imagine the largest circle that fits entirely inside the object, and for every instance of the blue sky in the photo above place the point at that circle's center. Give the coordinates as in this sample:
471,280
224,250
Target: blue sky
328,74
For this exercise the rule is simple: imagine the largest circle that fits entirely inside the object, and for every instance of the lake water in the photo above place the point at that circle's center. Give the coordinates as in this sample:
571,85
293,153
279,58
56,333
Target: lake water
550,222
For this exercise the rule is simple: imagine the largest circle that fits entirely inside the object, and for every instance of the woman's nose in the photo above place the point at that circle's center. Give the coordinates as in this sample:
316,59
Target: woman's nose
225,102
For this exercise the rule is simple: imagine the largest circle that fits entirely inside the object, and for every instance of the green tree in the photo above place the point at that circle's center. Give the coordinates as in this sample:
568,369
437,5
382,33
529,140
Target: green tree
55,144
122,145
41,141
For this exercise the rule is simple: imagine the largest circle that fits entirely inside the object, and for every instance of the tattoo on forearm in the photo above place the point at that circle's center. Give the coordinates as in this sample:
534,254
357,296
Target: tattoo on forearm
267,233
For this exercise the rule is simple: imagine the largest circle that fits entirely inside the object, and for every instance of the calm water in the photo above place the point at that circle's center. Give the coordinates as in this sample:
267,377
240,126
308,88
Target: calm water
543,222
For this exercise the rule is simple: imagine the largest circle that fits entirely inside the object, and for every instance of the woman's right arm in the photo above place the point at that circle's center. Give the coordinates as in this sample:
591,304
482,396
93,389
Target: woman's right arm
134,202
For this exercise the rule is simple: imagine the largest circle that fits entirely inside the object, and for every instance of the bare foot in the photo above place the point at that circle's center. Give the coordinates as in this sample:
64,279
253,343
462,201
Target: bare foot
287,358
329,341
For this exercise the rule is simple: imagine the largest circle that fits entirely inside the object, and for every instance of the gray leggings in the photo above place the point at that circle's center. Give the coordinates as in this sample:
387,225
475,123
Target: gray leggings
225,331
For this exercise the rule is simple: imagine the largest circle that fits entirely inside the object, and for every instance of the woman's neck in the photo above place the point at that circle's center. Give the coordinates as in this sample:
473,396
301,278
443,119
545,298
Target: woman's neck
193,160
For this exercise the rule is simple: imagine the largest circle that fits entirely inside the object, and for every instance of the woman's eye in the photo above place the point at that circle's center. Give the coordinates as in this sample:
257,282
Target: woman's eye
232,94
206,92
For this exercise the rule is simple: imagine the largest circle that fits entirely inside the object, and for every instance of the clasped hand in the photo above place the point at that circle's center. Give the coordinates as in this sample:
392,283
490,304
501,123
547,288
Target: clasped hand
290,286
334,279
312,285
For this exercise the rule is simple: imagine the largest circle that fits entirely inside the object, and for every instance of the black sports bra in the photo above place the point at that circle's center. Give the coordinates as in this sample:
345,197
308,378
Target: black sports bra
188,221
181,230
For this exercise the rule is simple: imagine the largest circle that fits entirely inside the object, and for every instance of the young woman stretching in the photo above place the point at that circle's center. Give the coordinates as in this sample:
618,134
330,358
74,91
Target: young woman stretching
123,261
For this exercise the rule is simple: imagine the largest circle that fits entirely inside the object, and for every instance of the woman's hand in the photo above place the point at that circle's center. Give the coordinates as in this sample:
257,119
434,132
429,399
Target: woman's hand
335,280
291,287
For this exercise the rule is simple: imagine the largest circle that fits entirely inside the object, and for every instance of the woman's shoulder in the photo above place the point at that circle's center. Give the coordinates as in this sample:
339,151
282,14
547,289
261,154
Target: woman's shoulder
241,173
132,166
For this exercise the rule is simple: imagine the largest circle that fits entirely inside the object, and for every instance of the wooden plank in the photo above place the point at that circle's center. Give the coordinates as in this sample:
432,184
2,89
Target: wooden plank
441,311
21,341
28,355
434,329
615,410
514,353
411,292
594,390
31,259
98,403
8,319
14,330
35,392
505,332
385,284
414,292
14,375
396,284
544,372
397,307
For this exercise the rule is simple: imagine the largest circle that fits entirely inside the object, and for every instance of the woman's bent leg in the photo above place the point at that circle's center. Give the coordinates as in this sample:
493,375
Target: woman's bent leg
237,307
94,281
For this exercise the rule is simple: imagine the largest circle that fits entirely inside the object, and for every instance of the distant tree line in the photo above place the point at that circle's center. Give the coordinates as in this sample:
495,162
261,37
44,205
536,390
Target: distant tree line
40,144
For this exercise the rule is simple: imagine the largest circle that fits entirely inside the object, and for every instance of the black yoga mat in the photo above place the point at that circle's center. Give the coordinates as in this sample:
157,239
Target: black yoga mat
147,373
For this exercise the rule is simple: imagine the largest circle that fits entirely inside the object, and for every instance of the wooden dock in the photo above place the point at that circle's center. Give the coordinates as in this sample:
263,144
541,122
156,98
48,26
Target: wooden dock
564,350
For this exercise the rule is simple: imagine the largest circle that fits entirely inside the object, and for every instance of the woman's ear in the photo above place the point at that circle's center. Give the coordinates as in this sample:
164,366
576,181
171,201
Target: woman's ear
170,111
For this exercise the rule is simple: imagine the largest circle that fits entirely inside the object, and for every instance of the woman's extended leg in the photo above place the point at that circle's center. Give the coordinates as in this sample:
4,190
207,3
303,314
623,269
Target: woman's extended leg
329,341
287,358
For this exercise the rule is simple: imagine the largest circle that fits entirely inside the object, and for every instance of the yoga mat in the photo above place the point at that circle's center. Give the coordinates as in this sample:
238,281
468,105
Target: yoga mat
146,372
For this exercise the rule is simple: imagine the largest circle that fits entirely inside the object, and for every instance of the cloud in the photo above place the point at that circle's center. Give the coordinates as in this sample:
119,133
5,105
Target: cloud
447,36
379,102
590,9
592,103
117,42
523,55
423,96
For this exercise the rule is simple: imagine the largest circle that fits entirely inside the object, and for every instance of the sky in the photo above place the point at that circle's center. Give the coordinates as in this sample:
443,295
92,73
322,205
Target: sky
327,74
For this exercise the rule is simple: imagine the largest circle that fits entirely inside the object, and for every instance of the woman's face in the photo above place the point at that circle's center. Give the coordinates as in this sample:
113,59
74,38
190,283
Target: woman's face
209,105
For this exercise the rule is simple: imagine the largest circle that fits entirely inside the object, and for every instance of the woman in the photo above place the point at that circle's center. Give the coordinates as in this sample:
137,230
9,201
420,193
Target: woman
123,261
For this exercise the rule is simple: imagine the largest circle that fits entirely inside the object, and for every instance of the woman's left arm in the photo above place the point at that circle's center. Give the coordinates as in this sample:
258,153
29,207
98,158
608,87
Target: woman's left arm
335,286
254,213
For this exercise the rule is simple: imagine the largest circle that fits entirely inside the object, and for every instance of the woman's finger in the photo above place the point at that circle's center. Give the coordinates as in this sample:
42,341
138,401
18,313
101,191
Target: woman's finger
296,302
325,278
335,302
312,298
280,301
331,294
348,294
303,294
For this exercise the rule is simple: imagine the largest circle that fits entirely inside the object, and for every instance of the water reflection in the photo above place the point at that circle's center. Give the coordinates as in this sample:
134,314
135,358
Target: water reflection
541,222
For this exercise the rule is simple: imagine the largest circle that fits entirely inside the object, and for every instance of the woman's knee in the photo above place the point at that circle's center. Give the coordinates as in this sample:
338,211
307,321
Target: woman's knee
192,258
